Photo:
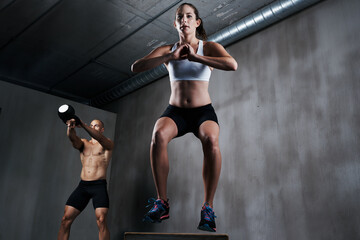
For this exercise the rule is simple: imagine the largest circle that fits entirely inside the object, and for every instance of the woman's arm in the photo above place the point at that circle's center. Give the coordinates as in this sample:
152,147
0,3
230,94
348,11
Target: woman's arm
215,56
155,58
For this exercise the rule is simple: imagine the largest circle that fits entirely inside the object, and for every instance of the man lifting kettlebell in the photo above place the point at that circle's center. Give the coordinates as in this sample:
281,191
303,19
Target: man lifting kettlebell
95,155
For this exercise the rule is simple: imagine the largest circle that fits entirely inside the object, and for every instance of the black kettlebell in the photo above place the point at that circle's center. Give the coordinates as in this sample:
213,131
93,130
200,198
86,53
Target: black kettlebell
67,112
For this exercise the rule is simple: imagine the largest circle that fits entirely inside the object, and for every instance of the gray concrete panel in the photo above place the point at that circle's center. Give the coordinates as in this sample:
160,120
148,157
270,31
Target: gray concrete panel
289,137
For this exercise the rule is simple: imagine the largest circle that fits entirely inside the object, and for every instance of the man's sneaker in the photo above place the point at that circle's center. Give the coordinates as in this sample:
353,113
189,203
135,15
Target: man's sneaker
159,211
207,222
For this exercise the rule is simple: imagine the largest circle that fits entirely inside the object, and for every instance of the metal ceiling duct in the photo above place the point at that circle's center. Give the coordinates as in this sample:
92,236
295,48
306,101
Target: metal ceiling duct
256,21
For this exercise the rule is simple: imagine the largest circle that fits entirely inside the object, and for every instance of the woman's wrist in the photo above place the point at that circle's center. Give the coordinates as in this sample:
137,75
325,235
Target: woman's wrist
193,57
169,57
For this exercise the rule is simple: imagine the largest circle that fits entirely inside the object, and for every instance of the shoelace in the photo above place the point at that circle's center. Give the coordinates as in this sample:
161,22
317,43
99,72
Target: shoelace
155,204
209,213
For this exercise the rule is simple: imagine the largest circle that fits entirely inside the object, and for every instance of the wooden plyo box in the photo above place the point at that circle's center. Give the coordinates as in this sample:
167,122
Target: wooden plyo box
173,236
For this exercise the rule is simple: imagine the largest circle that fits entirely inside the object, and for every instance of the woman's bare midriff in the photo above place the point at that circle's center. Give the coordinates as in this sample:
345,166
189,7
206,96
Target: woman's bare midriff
189,94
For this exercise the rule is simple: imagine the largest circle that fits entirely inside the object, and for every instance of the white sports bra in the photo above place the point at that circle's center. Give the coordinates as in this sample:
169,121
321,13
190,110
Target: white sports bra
187,70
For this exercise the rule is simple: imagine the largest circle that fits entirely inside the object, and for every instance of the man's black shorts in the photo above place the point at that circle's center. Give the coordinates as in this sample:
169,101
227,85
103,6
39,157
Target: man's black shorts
190,119
89,189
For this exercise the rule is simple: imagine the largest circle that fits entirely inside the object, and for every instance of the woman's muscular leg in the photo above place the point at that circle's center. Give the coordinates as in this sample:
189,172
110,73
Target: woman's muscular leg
209,137
165,129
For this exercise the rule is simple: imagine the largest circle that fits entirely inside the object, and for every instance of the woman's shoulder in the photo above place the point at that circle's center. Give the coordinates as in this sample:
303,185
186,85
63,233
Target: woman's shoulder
210,46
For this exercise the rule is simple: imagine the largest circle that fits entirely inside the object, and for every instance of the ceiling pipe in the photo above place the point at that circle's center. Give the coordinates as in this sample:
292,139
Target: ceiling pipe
252,23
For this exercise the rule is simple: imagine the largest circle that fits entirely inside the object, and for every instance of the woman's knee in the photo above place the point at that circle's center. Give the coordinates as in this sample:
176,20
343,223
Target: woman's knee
165,129
210,141
160,137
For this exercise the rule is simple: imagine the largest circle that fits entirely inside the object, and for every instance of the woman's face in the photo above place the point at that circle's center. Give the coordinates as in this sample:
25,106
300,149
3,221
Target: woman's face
185,20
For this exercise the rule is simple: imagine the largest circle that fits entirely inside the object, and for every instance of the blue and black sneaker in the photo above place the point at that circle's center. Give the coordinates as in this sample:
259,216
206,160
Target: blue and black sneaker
159,211
207,222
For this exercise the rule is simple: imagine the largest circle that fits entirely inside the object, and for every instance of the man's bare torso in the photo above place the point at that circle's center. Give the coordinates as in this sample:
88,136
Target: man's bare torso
95,160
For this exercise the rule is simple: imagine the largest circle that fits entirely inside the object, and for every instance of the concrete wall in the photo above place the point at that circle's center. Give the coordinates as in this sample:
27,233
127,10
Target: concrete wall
290,129
39,168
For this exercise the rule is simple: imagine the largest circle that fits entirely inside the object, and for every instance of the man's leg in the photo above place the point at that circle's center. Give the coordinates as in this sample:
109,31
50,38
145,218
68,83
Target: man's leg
101,214
70,214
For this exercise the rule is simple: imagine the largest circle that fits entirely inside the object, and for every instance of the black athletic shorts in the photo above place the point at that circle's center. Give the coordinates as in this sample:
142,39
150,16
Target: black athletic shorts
190,119
85,191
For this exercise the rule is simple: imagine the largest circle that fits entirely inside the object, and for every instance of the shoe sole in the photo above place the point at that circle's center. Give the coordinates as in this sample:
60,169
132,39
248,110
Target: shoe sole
206,227
150,220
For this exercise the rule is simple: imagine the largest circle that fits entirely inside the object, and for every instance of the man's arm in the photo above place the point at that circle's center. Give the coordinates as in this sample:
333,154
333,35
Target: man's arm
71,133
104,141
